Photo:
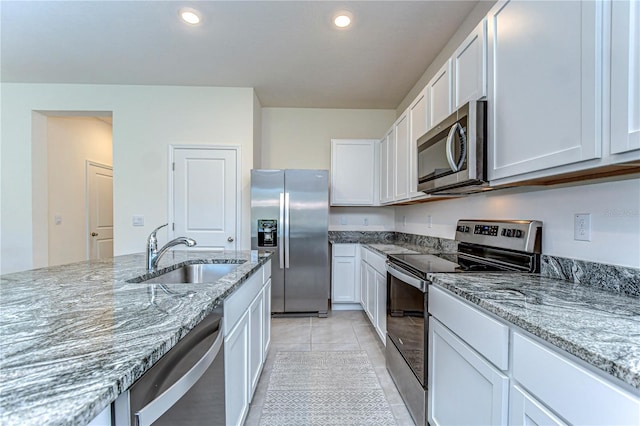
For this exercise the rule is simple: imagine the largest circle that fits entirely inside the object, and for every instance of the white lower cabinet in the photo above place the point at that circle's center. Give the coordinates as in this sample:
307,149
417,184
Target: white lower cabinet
236,359
256,346
570,391
247,328
473,382
374,295
345,280
464,388
525,410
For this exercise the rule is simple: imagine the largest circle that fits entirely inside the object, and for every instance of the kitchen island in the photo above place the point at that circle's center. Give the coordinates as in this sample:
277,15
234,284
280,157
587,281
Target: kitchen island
76,336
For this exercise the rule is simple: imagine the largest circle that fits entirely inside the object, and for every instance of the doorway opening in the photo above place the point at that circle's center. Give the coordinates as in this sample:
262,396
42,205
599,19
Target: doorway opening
72,160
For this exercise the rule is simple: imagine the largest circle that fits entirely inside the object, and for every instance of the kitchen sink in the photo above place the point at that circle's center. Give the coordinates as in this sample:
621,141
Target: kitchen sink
191,274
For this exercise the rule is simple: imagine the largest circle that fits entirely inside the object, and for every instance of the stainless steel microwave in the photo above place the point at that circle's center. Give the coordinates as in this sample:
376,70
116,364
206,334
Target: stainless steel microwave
451,155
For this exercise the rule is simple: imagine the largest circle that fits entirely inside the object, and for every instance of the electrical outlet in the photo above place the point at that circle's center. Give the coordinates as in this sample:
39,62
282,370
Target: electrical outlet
138,220
582,227
429,222
366,221
57,219
343,220
404,221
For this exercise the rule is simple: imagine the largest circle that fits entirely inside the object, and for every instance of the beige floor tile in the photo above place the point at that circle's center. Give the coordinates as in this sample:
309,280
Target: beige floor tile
336,333
402,415
290,334
321,347
289,347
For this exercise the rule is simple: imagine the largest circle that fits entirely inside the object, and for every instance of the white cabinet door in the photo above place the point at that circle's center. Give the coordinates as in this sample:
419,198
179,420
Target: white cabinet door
353,172
464,389
544,59
381,306
524,410
266,323
387,167
236,384
371,294
401,166
363,284
440,95
417,128
343,273
256,344
470,67
625,76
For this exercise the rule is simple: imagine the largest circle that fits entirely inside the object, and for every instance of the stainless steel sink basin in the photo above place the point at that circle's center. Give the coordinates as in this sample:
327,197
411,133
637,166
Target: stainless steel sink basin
192,274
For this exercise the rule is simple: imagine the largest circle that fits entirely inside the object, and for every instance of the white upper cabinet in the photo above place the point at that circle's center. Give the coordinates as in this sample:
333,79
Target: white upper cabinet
469,63
401,184
417,127
440,95
353,172
625,76
387,167
544,74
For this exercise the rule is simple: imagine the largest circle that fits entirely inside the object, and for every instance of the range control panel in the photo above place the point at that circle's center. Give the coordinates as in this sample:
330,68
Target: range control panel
522,235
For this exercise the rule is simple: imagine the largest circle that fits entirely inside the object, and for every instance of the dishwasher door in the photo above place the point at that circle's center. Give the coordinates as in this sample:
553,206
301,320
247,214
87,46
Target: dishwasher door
186,386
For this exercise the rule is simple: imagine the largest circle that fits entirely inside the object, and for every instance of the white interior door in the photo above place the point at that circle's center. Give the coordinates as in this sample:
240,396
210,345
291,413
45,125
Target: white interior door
206,196
99,210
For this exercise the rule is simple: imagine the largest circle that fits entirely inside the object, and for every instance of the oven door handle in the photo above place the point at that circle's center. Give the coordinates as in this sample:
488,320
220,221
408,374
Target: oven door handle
404,276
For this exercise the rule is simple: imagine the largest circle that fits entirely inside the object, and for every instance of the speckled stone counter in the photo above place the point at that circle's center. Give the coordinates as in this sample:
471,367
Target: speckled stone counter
76,336
599,327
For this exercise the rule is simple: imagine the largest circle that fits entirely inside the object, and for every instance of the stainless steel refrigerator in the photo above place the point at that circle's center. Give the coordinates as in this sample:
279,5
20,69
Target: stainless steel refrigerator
290,216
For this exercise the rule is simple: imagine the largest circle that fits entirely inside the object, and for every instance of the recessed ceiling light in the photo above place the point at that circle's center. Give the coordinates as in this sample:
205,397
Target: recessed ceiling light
342,19
189,16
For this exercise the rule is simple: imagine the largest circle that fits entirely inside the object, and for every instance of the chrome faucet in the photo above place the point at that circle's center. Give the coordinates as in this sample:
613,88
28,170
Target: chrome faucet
154,255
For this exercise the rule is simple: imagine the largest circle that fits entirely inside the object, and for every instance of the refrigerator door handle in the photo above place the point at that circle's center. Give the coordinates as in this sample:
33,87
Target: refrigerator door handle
287,220
280,239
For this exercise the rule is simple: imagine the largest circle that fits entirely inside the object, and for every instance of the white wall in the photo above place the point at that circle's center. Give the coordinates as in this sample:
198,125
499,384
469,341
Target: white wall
300,138
614,208
146,120
362,219
71,142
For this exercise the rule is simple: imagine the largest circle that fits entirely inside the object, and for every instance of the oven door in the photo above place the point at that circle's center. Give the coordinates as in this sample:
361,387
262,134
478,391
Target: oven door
407,300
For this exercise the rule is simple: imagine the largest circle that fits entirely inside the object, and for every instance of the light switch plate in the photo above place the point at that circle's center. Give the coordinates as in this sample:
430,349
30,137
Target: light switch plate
138,220
582,227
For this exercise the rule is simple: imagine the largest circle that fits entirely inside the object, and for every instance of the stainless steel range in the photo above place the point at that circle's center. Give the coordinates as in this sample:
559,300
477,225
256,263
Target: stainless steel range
483,246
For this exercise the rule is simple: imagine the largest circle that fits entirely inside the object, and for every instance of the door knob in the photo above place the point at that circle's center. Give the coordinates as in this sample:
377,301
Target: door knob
94,234
230,239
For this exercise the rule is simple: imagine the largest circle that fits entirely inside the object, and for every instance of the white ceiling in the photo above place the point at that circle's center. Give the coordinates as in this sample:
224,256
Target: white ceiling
287,50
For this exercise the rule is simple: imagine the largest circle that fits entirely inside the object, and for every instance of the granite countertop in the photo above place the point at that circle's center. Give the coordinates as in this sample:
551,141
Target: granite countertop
598,327
76,336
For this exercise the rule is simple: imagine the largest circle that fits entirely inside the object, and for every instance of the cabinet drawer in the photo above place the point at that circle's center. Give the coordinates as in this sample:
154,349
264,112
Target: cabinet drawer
378,262
344,249
576,394
236,304
486,335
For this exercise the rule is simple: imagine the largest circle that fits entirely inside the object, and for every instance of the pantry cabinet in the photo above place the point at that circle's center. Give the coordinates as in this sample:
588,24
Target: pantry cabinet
544,79
354,170
469,67
625,76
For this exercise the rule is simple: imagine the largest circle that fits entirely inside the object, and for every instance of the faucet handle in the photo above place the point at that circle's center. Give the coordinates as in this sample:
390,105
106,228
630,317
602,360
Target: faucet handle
152,240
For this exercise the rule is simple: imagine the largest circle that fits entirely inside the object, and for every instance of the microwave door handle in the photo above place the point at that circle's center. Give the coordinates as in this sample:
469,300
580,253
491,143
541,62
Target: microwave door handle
450,141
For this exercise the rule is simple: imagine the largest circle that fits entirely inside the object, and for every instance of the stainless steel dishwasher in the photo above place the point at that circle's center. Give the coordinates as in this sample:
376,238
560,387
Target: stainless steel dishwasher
185,387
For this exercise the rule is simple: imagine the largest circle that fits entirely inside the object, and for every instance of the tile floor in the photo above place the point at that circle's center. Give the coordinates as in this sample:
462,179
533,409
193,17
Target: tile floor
340,331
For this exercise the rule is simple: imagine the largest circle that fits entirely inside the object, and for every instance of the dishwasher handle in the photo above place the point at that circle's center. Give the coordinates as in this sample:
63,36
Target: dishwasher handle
157,407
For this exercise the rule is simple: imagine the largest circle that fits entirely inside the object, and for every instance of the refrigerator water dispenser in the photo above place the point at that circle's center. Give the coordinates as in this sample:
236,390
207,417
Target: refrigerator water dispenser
267,233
